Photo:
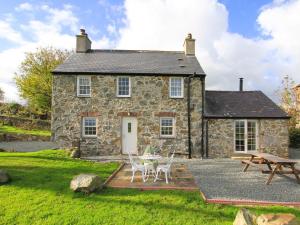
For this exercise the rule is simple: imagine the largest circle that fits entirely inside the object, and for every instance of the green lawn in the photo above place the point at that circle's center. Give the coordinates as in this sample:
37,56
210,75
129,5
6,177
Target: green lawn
11,129
40,194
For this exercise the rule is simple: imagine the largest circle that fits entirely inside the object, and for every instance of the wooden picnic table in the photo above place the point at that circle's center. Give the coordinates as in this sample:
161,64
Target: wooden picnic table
275,164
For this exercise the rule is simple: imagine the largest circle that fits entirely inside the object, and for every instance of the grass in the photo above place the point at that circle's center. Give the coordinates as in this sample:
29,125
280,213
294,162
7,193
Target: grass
39,194
17,130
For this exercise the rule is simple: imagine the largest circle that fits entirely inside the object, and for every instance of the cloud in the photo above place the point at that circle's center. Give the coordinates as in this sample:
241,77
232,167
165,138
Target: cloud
26,6
10,33
225,56
51,30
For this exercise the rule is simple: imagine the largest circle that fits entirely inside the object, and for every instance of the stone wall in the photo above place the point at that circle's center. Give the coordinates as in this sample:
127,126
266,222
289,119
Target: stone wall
22,137
25,122
149,99
273,137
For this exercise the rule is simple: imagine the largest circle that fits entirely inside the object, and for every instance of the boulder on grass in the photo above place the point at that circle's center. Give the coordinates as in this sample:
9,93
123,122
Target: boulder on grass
4,177
75,153
244,217
277,219
86,183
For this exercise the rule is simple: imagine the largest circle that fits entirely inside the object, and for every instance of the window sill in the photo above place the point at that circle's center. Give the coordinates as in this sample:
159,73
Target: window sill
176,97
89,137
167,137
123,96
84,96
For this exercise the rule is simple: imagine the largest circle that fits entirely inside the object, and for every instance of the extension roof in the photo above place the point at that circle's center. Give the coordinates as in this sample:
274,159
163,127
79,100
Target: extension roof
137,62
241,104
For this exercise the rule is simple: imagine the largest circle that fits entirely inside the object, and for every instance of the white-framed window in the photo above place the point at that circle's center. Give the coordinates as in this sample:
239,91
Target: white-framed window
84,86
89,126
176,87
167,127
246,135
123,86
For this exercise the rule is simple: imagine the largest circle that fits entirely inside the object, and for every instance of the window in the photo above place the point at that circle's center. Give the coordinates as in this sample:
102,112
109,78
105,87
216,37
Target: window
123,87
89,127
245,135
176,87
167,127
84,86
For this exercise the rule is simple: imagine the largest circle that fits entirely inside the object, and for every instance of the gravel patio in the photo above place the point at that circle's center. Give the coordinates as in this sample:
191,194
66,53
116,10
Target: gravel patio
222,180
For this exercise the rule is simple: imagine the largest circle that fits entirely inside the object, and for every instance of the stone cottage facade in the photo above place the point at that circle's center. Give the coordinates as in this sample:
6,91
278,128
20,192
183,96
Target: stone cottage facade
111,102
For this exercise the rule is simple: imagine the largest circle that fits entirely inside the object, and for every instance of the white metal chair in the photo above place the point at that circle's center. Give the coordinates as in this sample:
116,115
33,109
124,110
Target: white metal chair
136,167
166,168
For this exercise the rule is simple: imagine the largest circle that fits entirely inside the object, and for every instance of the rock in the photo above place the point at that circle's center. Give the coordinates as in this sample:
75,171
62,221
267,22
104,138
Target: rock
277,219
244,217
86,183
4,177
75,153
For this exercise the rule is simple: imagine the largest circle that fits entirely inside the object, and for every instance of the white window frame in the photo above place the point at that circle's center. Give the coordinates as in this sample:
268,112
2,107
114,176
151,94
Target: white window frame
182,87
124,96
78,86
83,127
246,135
173,127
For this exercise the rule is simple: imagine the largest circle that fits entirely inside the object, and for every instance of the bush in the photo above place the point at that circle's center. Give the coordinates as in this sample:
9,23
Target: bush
294,134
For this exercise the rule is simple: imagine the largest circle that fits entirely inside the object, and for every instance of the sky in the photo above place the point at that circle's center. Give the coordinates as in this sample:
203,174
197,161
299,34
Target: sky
254,39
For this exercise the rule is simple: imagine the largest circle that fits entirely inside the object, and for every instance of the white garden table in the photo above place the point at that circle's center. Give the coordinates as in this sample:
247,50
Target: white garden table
150,157
150,168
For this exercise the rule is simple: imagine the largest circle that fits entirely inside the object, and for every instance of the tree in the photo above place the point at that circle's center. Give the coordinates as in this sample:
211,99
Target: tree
34,79
288,99
1,95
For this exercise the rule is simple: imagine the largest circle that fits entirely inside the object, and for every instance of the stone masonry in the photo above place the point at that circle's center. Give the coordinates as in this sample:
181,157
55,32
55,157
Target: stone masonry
272,138
149,100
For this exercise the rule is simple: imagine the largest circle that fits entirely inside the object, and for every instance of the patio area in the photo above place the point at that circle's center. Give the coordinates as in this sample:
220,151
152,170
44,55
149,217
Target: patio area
182,179
223,181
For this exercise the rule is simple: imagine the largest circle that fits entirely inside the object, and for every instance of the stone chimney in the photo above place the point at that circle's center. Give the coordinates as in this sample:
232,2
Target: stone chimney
83,43
189,45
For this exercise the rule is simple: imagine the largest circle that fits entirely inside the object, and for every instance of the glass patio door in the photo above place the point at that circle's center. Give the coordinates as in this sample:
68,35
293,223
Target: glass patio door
245,135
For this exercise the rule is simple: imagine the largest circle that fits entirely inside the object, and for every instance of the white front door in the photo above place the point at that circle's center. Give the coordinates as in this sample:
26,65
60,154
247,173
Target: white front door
129,135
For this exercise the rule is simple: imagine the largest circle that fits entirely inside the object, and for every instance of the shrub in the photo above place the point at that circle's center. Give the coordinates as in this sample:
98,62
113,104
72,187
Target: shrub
294,134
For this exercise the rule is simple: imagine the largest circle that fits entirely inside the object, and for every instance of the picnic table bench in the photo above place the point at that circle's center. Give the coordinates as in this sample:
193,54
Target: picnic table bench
275,164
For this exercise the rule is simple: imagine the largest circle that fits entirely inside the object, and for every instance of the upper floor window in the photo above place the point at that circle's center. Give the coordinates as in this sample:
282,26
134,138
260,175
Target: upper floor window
89,128
176,87
123,87
83,86
167,127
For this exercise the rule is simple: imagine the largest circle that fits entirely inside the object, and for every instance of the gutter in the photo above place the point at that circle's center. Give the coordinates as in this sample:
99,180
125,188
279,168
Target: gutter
189,115
202,117
127,74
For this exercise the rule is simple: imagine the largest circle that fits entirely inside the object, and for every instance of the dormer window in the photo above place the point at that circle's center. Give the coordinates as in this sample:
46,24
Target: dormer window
84,86
176,87
123,87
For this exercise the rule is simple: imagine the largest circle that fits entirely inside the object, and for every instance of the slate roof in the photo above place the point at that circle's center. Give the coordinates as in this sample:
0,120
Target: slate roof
241,104
130,62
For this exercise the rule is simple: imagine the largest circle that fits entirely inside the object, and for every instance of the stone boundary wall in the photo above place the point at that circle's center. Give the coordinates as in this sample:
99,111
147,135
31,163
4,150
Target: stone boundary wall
23,137
26,122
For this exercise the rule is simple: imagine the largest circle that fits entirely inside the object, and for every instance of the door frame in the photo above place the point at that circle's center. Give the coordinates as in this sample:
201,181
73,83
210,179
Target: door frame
137,151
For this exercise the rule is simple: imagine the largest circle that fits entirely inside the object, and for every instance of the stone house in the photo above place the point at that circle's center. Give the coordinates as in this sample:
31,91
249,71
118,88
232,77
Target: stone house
119,101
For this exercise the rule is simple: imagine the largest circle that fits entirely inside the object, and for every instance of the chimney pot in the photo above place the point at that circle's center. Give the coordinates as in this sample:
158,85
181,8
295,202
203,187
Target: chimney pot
189,45
241,84
82,31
